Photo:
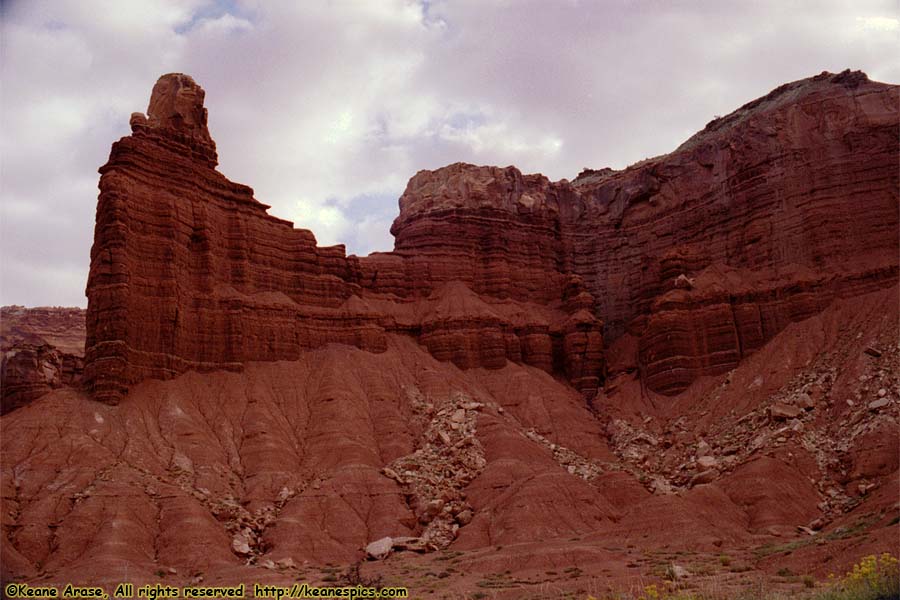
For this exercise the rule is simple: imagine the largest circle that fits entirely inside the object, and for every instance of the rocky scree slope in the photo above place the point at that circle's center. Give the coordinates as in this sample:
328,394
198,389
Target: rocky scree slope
273,473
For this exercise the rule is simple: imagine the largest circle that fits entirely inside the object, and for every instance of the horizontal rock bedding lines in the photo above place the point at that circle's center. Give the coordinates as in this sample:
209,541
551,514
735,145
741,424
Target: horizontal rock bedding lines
188,271
42,349
700,256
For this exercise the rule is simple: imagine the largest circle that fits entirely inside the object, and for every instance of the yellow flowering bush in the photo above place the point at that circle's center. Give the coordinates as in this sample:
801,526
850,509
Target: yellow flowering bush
872,578
650,593
872,570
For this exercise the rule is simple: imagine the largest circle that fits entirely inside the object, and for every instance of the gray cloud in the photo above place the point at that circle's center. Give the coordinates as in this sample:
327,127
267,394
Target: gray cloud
327,108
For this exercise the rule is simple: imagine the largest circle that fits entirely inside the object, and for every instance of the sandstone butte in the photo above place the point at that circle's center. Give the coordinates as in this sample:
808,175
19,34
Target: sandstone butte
546,379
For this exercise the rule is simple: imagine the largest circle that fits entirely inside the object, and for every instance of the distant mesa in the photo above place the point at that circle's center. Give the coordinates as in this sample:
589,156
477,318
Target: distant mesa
41,349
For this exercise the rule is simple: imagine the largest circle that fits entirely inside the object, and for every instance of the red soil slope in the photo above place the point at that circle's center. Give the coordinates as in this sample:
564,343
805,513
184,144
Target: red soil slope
225,474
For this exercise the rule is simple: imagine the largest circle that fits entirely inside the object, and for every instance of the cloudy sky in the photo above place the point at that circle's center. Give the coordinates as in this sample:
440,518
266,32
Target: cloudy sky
327,108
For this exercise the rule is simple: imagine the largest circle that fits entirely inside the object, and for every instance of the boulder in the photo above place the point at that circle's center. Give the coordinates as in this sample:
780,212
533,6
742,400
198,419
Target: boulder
379,549
782,412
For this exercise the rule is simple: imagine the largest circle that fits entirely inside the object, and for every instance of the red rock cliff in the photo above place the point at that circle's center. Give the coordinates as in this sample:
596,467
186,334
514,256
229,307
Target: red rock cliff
759,220
188,271
693,259
42,349
699,256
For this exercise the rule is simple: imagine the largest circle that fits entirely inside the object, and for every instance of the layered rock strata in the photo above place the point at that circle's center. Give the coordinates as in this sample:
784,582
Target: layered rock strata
42,349
774,210
188,271
700,256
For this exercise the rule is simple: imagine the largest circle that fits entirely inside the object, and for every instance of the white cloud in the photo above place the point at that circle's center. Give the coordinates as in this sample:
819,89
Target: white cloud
327,221
373,234
878,23
223,25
